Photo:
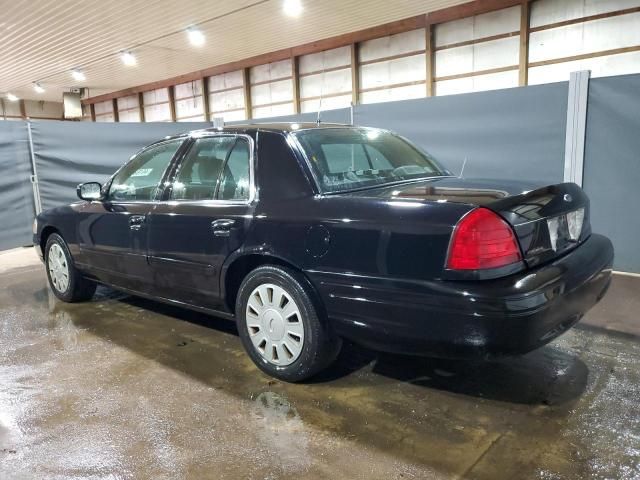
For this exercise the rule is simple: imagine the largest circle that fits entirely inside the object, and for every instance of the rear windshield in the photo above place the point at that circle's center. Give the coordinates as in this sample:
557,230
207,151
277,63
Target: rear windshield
351,158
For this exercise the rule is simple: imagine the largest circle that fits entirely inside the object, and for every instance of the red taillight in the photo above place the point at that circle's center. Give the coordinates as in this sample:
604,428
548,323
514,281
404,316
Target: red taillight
482,240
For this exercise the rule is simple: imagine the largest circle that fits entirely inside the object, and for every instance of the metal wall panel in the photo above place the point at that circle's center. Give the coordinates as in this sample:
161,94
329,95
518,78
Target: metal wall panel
315,62
226,96
327,103
328,83
272,96
479,26
128,109
588,37
16,194
612,164
127,102
545,12
393,94
42,109
478,83
103,107
392,45
129,116
156,105
390,72
333,86
391,63
9,109
480,56
620,64
189,108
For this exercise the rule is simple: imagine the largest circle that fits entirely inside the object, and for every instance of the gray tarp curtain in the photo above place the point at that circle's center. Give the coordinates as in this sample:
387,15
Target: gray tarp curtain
612,164
517,133
16,193
69,153
513,133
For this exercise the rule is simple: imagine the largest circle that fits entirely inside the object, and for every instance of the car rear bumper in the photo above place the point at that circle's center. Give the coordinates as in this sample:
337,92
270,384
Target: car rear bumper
506,316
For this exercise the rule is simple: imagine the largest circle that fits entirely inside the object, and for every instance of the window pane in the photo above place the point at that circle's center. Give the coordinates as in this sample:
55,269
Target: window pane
348,158
200,170
139,179
235,182
345,157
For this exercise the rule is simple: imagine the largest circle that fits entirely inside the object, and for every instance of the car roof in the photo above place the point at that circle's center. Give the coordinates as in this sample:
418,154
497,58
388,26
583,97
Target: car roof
279,127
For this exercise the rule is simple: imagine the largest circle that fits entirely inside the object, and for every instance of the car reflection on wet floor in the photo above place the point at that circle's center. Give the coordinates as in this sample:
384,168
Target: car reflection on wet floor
130,388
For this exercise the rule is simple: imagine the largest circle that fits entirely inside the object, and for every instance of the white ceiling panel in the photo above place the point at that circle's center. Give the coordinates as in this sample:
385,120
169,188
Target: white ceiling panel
42,40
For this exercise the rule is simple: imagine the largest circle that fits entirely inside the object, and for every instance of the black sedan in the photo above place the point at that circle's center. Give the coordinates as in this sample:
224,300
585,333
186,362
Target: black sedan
308,234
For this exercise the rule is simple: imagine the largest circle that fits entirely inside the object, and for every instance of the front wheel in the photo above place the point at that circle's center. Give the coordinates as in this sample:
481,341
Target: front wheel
65,280
280,325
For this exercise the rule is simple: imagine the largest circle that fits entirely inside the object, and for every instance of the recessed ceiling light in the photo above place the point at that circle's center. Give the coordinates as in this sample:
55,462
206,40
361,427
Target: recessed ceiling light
196,37
37,87
292,8
78,75
128,59
12,98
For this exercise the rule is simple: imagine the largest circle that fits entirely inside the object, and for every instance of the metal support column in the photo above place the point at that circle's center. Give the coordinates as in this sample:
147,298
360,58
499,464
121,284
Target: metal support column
576,126
34,172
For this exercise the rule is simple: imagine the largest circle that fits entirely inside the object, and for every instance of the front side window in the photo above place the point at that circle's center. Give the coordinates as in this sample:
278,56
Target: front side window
140,178
349,158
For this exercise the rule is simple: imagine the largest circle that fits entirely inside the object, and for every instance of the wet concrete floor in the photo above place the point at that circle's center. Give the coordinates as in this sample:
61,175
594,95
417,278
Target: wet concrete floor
122,388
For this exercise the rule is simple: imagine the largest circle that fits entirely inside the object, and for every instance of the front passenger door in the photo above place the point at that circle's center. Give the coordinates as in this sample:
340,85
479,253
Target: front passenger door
113,231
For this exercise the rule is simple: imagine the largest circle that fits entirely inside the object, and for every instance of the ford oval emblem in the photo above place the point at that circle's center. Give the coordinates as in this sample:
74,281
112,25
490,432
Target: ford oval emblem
567,197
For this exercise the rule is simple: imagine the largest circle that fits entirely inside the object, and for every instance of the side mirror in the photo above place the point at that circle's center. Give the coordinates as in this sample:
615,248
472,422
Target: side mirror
89,191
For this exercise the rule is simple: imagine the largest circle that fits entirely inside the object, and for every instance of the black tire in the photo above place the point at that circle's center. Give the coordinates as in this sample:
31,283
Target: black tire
320,347
78,288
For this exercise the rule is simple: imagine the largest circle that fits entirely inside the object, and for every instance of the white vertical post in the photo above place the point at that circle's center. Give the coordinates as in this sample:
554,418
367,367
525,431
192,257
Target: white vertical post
34,172
576,126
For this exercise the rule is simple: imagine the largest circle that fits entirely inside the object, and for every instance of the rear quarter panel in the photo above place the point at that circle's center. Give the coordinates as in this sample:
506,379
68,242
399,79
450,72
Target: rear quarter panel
362,236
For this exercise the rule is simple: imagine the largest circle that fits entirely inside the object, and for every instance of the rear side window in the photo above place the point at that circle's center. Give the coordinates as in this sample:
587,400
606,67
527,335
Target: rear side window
140,178
216,167
200,170
235,183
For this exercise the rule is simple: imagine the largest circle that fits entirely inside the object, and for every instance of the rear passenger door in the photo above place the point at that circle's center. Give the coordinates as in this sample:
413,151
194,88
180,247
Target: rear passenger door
203,217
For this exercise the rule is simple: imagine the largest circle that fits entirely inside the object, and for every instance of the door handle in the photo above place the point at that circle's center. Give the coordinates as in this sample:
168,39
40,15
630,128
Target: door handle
222,227
136,222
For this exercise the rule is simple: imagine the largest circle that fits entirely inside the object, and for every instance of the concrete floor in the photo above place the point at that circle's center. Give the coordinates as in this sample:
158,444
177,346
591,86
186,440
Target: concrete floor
126,388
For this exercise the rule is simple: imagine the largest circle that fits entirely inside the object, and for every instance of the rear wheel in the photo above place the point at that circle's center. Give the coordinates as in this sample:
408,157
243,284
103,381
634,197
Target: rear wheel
280,325
65,280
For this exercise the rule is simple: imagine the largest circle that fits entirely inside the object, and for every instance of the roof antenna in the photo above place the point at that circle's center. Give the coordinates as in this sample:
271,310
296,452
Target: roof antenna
462,169
320,101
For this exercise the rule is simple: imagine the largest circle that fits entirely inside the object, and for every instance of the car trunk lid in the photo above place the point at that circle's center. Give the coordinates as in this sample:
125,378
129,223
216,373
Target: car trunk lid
548,221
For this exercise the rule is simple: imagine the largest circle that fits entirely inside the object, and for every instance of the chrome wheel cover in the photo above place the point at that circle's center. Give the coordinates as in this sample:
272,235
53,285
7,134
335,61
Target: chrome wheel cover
58,268
274,324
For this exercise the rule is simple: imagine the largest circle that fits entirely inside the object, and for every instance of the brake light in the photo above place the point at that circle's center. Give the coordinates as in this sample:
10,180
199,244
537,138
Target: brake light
482,239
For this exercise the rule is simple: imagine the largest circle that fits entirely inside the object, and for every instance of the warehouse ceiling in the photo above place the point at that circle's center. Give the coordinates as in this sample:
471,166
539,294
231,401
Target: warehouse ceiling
43,40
